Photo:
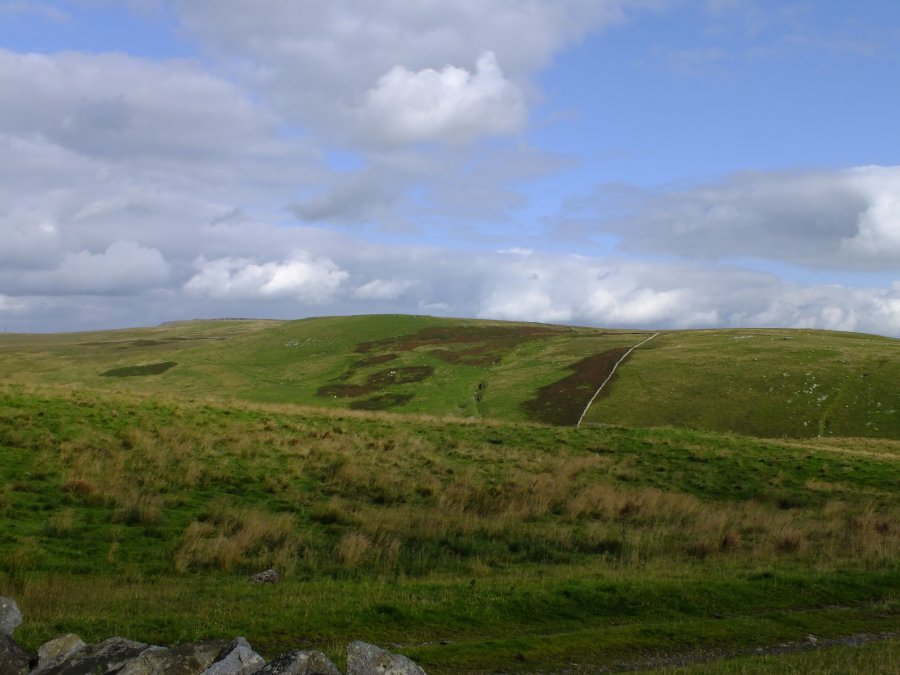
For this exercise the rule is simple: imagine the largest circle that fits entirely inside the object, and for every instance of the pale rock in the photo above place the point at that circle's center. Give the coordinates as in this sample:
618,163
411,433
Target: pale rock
10,616
237,658
298,662
186,659
106,658
58,649
14,660
366,659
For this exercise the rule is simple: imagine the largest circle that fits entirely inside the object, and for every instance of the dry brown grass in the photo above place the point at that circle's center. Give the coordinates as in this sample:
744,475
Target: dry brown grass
61,522
242,539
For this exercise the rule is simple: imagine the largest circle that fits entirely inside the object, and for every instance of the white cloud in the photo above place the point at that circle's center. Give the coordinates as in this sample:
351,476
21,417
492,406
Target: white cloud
302,278
318,60
846,219
576,289
877,234
451,105
339,275
136,191
384,289
123,268
99,150
10,305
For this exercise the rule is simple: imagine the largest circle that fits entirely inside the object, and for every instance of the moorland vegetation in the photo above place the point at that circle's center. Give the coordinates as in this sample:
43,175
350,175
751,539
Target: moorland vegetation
419,483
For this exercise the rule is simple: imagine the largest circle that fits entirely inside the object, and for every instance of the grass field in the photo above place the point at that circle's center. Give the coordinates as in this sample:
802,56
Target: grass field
473,546
765,383
144,474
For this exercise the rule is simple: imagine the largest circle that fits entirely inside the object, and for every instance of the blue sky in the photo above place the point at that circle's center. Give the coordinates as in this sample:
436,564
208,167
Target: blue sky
651,163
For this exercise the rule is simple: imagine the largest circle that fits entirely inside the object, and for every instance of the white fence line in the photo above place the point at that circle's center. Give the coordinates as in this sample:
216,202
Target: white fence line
609,377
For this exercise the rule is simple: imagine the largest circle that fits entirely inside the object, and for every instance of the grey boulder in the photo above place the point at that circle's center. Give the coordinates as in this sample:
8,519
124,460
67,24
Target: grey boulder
237,658
14,660
269,576
298,662
366,659
186,659
106,658
10,616
57,649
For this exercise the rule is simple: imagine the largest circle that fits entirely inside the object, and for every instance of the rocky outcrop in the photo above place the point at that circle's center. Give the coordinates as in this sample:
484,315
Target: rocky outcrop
14,660
366,659
186,659
107,658
53,652
69,655
269,576
10,616
297,662
236,658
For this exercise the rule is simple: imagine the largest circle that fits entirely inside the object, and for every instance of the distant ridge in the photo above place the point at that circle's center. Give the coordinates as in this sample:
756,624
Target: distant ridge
766,382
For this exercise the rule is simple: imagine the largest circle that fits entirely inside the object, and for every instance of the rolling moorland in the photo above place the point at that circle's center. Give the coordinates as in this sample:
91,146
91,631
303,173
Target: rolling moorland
420,484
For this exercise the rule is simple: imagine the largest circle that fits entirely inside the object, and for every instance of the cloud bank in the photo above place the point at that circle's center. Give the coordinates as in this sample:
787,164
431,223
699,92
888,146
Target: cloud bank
140,190
841,219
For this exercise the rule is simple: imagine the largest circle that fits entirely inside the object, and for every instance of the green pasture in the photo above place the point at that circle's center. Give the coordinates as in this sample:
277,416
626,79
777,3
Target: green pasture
467,545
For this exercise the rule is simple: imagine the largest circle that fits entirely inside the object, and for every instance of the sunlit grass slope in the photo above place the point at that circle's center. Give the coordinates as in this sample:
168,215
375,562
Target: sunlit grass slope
471,546
767,383
457,367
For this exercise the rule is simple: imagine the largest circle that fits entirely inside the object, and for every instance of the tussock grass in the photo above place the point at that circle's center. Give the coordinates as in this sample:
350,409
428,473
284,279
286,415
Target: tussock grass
419,529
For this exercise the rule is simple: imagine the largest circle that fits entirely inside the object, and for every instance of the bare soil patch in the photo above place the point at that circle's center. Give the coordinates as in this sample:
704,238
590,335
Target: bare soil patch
137,371
375,359
377,382
383,402
457,345
384,378
344,390
463,345
561,402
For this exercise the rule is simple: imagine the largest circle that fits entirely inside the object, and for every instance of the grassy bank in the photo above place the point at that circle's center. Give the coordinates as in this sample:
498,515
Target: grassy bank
764,383
471,545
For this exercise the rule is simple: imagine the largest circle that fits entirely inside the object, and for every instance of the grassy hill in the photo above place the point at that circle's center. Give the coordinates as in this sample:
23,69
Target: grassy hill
468,546
420,483
766,383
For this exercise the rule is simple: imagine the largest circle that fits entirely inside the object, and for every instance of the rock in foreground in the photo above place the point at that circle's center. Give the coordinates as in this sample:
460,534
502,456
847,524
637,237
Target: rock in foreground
366,659
10,616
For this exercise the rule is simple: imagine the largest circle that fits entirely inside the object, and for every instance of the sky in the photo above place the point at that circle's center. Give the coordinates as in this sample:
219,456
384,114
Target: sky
619,163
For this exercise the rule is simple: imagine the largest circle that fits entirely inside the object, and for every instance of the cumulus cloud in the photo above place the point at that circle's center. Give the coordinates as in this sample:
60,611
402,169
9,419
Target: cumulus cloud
124,267
846,219
566,289
9,305
622,293
415,190
384,289
135,191
302,277
449,105
326,65
109,157
348,276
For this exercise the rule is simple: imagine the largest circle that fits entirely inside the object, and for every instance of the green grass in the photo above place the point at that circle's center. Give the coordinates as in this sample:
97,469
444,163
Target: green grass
769,383
766,383
732,489
472,546
874,658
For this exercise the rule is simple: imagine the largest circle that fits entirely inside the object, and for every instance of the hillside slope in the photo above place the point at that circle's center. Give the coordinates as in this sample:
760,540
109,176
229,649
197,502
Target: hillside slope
768,383
473,547
771,383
